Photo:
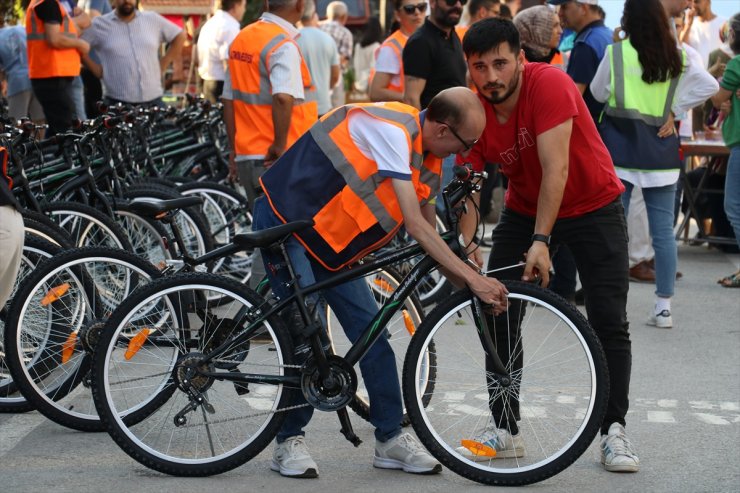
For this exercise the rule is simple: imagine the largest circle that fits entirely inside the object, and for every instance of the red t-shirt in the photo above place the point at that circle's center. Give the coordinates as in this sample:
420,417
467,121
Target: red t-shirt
548,97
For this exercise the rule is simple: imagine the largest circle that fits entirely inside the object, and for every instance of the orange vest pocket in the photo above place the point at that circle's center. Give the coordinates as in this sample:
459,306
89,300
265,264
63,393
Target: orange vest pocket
343,219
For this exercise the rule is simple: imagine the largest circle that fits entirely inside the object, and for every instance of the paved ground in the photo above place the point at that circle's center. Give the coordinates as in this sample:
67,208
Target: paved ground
684,420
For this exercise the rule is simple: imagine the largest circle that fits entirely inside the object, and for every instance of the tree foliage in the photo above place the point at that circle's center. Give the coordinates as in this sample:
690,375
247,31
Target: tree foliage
10,11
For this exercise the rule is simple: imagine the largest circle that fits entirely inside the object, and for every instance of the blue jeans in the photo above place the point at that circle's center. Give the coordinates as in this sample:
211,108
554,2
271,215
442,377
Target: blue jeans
448,164
659,204
355,307
78,97
732,191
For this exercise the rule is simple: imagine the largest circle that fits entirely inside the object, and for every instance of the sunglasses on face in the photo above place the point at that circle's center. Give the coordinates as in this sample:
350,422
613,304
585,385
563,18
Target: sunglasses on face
452,3
409,9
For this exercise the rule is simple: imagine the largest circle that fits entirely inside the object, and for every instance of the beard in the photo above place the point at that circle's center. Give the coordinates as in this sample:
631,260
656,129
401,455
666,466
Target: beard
444,18
495,98
125,9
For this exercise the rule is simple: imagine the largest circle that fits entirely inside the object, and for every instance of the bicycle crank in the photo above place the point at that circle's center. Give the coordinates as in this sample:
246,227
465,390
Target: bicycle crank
333,393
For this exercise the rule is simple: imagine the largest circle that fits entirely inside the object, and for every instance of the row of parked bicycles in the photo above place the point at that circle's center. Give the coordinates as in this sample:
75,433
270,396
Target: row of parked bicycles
132,315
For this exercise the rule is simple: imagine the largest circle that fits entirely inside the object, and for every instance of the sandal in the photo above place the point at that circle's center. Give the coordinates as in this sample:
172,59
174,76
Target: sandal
732,281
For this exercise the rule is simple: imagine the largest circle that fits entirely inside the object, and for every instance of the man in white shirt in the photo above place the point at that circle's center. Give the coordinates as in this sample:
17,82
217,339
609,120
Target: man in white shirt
337,13
701,31
214,40
321,55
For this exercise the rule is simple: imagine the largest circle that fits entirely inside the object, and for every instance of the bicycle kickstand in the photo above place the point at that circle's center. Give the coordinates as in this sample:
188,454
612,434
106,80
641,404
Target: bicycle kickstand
346,429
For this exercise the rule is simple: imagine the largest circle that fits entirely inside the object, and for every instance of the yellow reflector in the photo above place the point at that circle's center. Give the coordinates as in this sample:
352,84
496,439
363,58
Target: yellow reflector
54,294
383,284
136,342
410,326
478,448
68,348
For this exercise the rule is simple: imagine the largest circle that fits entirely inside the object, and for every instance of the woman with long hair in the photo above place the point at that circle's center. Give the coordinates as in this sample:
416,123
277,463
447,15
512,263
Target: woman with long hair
645,81
363,60
727,99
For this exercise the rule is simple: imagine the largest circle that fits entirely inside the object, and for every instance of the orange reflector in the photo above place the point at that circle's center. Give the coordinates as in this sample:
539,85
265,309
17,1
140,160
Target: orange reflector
383,284
136,342
410,326
68,348
54,294
478,448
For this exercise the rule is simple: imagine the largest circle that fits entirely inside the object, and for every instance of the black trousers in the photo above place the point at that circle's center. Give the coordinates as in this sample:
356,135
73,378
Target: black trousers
212,90
55,96
93,92
598,241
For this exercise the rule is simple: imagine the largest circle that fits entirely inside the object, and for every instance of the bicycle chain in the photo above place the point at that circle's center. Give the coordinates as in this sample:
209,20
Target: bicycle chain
238,418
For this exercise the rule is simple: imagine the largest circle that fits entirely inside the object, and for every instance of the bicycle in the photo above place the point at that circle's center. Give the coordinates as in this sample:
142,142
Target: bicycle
217,380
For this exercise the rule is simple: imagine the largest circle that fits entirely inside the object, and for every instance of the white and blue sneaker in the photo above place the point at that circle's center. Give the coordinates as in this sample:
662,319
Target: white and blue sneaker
506,445
662,320
617,453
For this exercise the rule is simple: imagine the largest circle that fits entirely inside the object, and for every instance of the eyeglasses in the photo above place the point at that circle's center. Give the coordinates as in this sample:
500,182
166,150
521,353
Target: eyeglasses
451,3
467,145
409,9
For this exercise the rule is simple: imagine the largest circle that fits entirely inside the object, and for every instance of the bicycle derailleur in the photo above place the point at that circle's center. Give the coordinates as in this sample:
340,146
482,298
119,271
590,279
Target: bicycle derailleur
188,378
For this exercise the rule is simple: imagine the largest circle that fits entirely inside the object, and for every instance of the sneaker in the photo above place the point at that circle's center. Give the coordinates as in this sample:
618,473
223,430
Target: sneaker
404,452
291,459
506,445
662,320
616,451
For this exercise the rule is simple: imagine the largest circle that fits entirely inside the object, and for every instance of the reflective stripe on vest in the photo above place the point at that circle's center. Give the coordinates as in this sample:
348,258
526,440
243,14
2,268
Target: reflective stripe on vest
252,90
325,177
396,42
631,97
44,61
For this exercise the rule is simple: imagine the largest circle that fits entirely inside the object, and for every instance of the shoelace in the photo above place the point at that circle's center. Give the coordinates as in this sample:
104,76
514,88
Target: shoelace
299,441
620,445
409,443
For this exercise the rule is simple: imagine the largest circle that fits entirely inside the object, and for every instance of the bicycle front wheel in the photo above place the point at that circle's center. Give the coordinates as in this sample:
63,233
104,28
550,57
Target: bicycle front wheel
556,398
149,386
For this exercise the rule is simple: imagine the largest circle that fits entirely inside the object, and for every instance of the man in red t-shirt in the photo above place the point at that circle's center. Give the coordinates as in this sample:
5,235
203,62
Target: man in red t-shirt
562,186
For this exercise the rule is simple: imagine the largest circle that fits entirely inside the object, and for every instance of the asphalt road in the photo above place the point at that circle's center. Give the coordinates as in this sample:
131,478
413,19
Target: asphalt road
684,420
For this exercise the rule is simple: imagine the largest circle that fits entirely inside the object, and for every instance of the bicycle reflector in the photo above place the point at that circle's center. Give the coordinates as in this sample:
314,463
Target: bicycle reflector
410,327
136,343
54,294
383,284
68,348
478,448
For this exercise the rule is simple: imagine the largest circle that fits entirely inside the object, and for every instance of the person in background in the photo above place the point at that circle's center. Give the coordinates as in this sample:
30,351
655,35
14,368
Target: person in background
214,40
387,80
477,10
11,232
539,31
14,64
55,52
645,81
363,61
92,86
337,13
728,98
321,55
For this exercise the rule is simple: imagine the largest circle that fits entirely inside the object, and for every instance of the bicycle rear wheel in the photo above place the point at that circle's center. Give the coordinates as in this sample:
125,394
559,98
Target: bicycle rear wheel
196,425
557,397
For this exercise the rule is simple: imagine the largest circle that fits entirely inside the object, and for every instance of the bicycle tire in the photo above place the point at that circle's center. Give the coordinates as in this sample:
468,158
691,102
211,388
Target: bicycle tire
557,419
35,249
48,340
87,226
156,440
41,226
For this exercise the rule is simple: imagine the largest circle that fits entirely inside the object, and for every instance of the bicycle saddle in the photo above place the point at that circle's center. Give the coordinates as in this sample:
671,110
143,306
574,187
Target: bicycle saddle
267,237
155,207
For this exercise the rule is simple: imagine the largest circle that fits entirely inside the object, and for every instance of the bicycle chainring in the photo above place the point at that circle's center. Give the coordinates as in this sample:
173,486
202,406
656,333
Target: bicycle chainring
336,397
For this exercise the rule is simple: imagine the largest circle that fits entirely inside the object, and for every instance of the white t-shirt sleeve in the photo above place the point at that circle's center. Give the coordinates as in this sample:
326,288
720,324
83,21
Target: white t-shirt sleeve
383,142
226,38
285,71
387,61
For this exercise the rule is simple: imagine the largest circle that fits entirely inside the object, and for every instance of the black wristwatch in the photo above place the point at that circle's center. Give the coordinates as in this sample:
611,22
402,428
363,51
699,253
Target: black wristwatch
543,238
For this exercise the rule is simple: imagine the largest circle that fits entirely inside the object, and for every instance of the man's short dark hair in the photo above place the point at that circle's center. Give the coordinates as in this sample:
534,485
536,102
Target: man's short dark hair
227,5
488,34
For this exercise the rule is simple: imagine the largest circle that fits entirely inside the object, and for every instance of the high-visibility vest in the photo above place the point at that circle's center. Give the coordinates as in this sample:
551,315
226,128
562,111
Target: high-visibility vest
396,42
325,177
634,112
249,59
43,60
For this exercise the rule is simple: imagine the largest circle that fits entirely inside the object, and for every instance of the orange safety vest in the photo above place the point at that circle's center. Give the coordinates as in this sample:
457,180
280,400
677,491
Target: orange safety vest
461,31
396,42
43,60
249,59
325,177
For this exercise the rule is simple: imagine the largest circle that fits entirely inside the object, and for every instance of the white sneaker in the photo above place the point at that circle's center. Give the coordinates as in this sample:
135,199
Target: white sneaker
506,445
617,454
662,320
291,458
404,452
